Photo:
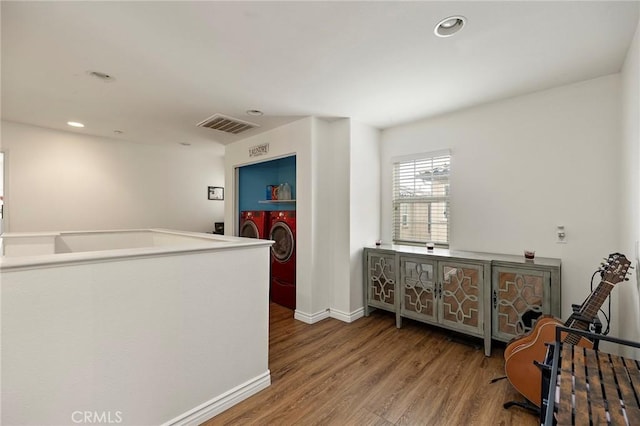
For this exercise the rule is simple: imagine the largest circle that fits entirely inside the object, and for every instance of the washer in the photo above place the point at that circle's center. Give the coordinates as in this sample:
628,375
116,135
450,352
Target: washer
254,224
283,258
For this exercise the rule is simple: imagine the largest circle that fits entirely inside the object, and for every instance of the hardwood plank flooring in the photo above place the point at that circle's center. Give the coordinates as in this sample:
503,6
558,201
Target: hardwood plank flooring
371,373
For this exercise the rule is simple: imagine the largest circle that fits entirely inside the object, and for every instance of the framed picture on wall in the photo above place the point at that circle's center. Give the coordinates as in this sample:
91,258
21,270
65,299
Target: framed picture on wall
215,192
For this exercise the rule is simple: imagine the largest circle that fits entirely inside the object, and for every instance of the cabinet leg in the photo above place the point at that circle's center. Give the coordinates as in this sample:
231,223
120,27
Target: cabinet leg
398,321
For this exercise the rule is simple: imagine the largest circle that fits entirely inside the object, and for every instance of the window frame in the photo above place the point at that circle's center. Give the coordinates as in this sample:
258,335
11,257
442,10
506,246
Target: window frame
398,206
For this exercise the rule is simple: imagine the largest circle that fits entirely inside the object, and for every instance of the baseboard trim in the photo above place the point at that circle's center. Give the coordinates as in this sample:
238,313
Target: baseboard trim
345,316
311,318
222,402
329,313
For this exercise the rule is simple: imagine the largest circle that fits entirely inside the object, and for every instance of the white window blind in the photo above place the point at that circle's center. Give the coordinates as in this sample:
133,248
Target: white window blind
421,199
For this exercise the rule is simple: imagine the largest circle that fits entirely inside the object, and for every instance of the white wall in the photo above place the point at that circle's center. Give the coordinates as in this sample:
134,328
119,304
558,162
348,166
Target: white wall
348,179
67,181
337,180
364,202
292,139
524,165
161,340
321,221
629,159
337,212
352,210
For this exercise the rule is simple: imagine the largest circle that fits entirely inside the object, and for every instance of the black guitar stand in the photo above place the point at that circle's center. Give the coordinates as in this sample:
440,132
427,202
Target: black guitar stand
545,370
522,404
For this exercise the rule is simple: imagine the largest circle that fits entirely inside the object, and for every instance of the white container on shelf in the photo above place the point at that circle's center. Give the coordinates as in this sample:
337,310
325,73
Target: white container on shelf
284,191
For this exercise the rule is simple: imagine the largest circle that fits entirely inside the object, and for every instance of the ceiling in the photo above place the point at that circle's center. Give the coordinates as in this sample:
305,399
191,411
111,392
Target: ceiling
176,63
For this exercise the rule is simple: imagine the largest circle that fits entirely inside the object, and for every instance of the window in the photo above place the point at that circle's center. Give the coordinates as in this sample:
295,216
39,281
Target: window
421,199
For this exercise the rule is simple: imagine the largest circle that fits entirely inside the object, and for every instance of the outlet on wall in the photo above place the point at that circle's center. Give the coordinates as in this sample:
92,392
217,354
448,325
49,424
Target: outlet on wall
561,235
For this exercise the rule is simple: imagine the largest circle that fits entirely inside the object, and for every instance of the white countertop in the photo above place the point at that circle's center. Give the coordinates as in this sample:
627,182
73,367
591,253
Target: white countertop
460,254
197,242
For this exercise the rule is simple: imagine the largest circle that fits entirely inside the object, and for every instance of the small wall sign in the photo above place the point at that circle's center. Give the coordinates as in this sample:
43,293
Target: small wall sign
215,192
258,150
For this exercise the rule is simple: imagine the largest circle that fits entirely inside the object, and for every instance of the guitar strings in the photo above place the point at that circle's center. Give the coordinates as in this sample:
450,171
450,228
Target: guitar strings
606,317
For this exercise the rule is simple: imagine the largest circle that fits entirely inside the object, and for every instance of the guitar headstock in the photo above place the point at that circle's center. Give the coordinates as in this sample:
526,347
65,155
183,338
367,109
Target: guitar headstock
616,268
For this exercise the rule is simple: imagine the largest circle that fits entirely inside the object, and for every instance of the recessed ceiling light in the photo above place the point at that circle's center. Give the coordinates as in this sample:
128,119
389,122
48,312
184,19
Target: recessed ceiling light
75,124
254,112
449,26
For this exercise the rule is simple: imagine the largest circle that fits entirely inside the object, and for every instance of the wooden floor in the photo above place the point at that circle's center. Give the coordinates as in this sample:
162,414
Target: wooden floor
371,373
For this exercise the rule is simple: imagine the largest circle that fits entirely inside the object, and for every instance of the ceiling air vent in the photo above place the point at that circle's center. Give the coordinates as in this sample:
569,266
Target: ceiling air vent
226,124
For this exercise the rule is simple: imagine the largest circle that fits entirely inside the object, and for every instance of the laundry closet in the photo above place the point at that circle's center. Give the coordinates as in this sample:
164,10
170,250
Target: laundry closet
267,205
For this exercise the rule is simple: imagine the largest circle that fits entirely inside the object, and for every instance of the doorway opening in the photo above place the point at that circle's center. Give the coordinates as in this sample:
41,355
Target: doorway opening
266,195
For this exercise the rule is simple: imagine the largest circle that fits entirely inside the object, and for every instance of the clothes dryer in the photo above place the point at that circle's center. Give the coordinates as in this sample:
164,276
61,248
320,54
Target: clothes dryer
254,224
283,258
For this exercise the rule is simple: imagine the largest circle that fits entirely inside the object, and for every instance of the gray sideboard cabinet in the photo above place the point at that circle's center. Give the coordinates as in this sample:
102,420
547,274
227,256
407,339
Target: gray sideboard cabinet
445,292
381,289
522,291
490,296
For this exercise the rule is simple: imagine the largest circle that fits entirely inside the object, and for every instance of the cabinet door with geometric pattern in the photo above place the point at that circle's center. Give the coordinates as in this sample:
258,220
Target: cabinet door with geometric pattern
381,280
418,289
518,298
461,294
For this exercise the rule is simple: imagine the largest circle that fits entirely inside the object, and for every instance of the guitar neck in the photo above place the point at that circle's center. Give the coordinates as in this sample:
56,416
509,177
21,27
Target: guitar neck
616,270
588,311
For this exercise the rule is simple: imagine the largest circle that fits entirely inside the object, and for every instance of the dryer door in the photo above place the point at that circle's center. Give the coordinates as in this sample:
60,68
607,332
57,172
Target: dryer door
249,230
284,241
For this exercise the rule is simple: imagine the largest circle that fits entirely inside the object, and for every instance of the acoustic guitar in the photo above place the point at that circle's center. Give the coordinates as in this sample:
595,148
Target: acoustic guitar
521,352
